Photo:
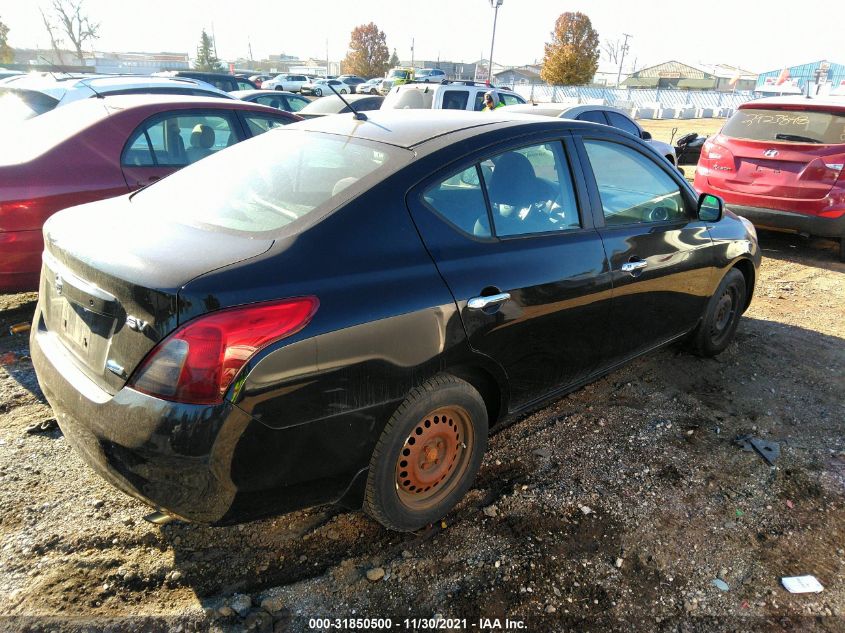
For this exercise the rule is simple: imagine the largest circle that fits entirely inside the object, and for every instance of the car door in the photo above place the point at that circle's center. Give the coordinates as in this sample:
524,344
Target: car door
511,235
660,254
170,140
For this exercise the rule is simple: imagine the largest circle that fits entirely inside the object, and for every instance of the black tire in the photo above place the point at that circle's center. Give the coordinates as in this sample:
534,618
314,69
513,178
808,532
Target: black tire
432,411
318,92
842,249
721,317
281,88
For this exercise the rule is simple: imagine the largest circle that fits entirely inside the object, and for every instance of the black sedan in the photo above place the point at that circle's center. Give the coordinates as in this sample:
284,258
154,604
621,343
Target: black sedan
342,310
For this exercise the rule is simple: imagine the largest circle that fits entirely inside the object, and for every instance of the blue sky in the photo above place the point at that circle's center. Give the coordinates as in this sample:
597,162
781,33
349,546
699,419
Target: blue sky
756,35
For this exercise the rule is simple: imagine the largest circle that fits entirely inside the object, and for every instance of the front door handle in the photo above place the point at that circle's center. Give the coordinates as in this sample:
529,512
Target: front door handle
632,267
480,303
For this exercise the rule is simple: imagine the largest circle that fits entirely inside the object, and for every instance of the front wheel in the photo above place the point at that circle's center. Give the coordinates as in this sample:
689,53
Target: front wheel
428,454
721,317
318,92
342,91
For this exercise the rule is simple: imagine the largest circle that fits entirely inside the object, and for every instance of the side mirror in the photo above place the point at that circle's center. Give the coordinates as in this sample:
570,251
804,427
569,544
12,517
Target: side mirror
710,208
646,136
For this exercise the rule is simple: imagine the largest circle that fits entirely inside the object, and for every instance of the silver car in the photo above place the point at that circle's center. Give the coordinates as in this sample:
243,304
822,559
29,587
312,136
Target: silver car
606,115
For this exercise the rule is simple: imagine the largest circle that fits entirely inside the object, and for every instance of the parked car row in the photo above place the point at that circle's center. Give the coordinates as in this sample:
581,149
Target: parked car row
380,293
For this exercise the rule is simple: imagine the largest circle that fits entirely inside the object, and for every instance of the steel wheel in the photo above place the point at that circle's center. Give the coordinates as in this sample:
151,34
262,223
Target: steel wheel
434,457
721,317
427,455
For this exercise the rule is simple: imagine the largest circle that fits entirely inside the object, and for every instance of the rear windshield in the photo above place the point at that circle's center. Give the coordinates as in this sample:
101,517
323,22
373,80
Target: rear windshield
412,99
264,184
786,126
32,138
19,105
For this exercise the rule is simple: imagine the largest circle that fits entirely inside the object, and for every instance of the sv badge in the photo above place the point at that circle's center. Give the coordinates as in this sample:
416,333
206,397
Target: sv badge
136,324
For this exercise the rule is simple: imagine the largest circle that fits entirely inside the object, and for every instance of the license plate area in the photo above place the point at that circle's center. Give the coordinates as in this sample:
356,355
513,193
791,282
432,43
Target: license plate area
84,333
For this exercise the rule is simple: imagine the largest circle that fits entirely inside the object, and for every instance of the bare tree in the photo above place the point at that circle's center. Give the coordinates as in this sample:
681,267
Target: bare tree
612,49
67,18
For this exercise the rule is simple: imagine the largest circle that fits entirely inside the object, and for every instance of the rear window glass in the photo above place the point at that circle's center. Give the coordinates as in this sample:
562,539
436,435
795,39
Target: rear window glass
22,143
19,105
264,184
411,99
786,126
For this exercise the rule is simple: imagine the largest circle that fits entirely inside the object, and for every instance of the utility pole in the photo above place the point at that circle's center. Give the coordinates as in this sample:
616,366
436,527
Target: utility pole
214,39
622,60
495,4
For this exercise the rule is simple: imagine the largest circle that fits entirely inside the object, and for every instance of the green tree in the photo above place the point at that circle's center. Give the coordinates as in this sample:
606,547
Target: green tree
368,54
572,56
394,59
7,55
206,59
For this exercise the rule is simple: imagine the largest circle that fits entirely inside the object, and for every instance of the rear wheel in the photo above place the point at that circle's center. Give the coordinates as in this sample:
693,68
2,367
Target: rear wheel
428,454
721,317
318,92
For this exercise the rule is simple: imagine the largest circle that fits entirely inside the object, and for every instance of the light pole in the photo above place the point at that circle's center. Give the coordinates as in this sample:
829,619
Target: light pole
495,4
621,61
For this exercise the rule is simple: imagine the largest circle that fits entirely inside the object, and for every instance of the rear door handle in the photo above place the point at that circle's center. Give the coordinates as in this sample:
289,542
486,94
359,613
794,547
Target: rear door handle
479,303
631,267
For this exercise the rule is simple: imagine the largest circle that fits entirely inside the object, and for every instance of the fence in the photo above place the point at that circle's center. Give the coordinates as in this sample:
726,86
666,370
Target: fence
648,103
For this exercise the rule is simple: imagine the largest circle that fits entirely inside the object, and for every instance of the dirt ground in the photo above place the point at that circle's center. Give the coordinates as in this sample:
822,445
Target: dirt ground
615,508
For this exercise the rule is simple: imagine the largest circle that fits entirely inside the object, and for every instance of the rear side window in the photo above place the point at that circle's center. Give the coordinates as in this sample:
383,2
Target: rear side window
260,123
786,126
593,116
455,99
633,189
295,104
623,123
530,191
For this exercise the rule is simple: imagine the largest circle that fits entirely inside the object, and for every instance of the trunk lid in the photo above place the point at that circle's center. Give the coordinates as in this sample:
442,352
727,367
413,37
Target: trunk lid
110,284
778,153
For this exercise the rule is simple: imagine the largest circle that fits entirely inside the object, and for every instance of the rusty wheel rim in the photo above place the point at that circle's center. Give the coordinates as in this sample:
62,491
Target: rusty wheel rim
434,457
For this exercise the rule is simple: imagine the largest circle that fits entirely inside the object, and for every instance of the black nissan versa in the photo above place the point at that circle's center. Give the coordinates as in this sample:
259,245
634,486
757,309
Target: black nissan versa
342,310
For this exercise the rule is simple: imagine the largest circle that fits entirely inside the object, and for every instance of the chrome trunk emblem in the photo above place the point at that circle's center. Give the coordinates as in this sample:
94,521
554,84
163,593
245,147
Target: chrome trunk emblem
770,153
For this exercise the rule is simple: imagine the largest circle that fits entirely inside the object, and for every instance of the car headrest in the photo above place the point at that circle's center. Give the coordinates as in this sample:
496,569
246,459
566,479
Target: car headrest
202,136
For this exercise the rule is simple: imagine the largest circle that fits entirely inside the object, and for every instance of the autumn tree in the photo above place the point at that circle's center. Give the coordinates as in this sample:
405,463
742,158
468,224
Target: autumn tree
7,55
368,54
394,59
206,59
572,57
65,18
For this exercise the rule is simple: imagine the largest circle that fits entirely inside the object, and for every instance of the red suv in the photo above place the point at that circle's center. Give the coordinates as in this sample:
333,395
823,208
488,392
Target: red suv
779,162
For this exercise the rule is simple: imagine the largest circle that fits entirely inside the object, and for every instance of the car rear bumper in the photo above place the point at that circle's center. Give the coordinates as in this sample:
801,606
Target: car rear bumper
20,260
211,464
791,221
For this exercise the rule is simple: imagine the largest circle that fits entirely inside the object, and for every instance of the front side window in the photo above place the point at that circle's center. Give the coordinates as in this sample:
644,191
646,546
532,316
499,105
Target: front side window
511,99
633,188
178,139
295,104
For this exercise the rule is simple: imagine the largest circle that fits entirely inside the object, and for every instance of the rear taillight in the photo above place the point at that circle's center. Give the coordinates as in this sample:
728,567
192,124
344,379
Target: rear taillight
718,157
198,362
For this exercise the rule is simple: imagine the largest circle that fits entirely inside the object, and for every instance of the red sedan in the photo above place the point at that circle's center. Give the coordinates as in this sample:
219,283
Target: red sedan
99,148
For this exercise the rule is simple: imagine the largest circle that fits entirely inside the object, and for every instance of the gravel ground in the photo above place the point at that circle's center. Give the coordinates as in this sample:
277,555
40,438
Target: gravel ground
615,508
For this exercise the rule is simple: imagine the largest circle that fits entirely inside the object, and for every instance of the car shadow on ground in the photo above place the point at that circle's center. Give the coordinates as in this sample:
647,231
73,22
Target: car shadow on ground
810,251
333,548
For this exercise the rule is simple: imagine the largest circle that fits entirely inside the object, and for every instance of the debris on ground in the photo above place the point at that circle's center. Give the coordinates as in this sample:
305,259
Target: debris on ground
769,451
802,584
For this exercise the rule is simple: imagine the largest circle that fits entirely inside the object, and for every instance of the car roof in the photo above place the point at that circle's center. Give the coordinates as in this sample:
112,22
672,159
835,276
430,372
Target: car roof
563,110
58,86
397,127
243,94
835,103
124,102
